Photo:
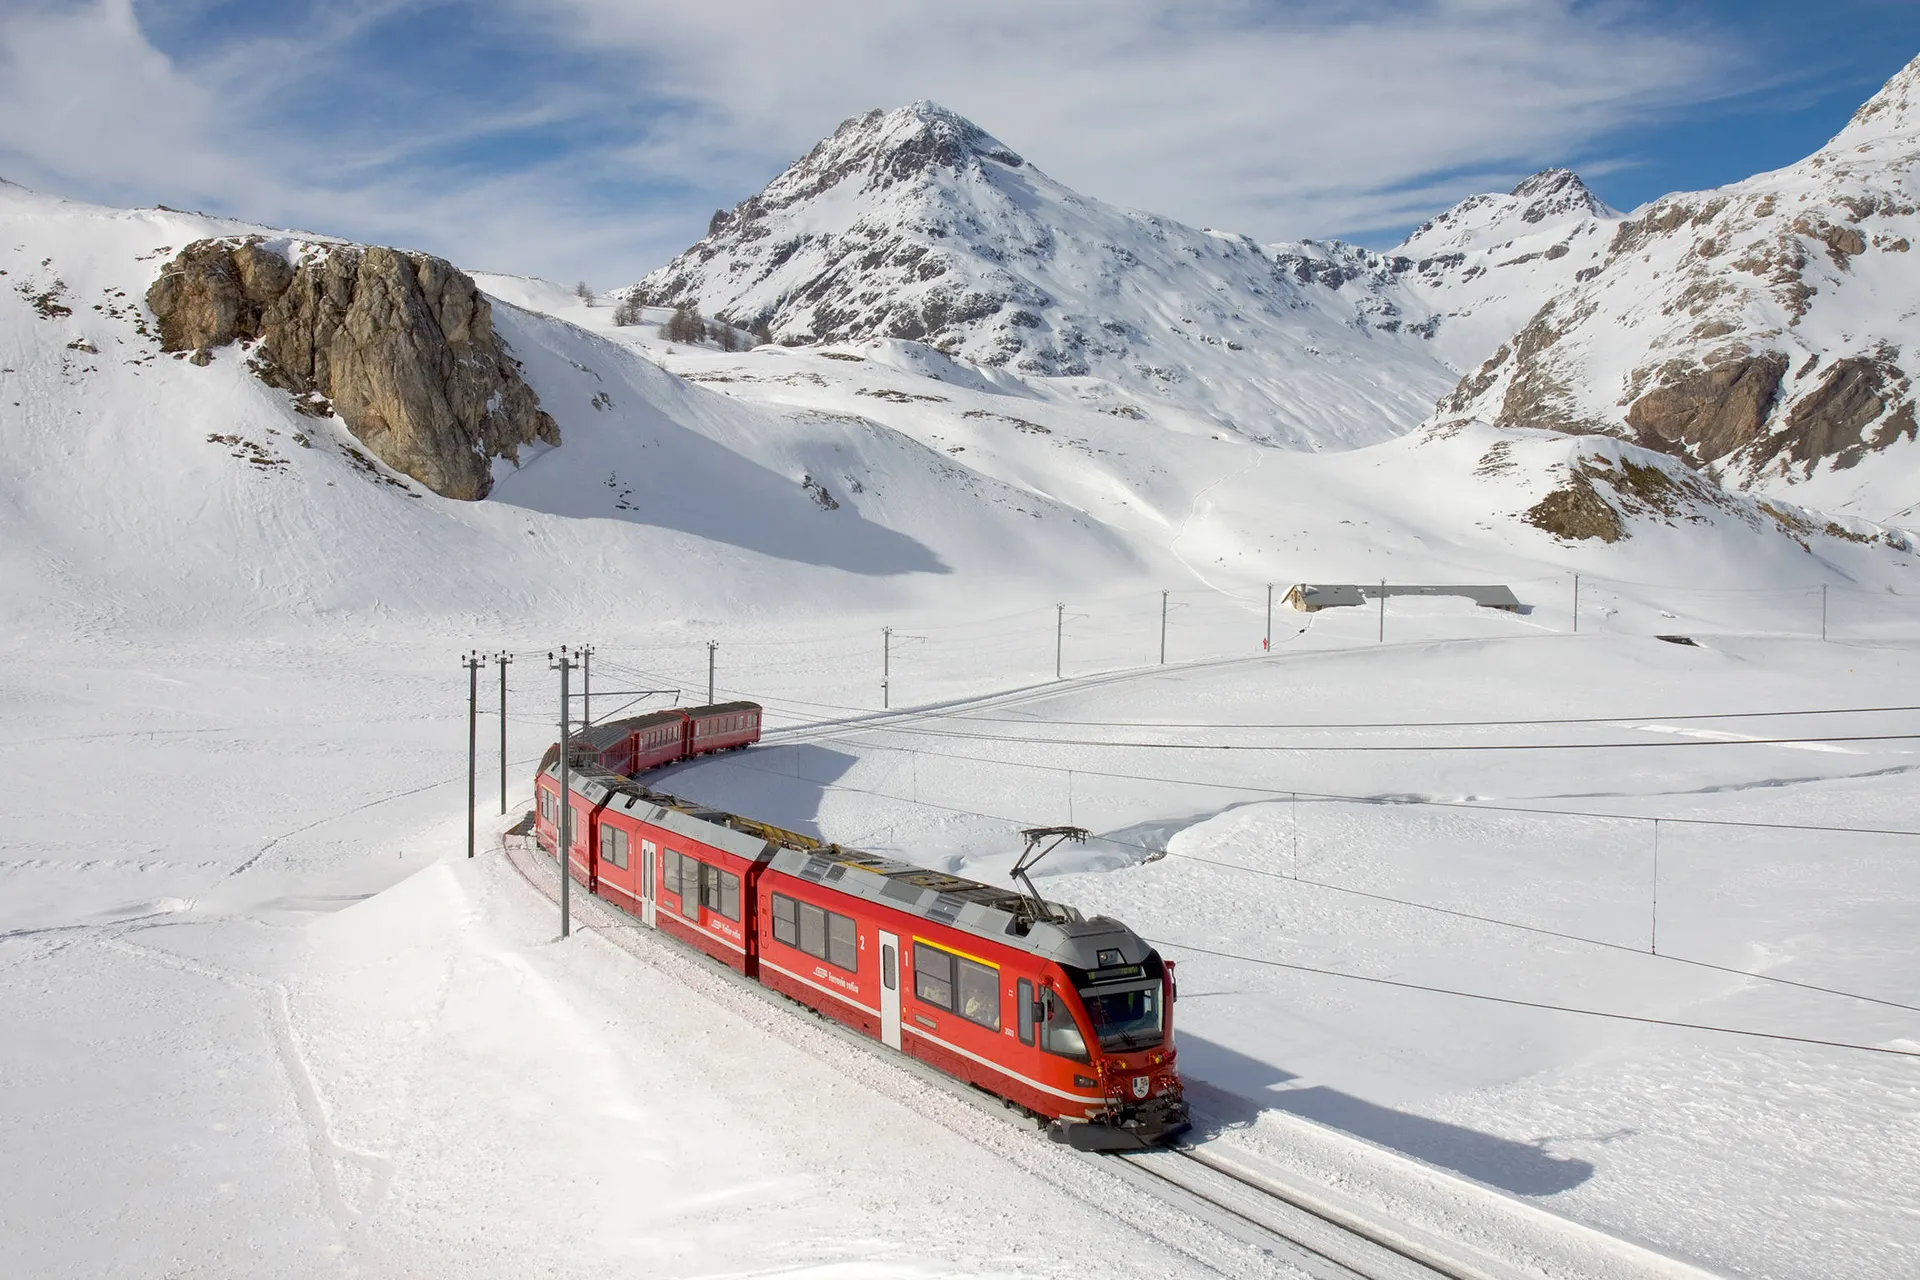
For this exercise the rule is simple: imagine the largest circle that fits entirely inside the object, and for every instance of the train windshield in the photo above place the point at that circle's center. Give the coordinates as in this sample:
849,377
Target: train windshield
1125,1017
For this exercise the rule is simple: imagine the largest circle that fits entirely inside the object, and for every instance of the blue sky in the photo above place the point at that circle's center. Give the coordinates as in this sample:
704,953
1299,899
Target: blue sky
592,138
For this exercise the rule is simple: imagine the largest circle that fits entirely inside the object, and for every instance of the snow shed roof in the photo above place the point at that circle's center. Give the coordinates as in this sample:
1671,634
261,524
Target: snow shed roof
1327,595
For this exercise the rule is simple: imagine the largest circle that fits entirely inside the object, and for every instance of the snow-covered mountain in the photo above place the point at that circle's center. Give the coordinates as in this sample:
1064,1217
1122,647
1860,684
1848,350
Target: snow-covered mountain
1763,327
1488,263
915,224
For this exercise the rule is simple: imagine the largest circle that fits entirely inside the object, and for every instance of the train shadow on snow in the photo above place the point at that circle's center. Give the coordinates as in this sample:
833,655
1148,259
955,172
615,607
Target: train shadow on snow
1229,1090
779,783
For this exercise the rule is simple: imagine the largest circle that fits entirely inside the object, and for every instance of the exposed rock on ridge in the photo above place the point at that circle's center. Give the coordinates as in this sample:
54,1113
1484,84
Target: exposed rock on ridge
1764,327
401,344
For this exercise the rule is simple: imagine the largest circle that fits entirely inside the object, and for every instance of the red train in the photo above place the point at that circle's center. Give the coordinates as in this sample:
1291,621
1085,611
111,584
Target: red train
1067,1017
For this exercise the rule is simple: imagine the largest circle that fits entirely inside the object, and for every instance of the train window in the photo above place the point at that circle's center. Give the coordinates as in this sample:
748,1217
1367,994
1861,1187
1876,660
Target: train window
691,870
1023,1011
786,920
843,948
889,977
580,827
729,895
613,846
933,975
670,873
979,993
813,930
1058,1032
709,887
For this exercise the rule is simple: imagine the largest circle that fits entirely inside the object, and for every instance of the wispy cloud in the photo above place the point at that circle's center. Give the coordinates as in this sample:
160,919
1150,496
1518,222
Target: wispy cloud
593,137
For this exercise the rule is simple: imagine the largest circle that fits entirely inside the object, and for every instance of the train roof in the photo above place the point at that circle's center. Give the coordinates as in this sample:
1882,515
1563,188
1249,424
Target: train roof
971,906
714,709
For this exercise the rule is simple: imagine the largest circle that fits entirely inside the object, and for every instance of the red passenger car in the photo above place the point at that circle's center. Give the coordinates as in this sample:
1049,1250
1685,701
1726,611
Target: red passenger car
1067,1017
724,726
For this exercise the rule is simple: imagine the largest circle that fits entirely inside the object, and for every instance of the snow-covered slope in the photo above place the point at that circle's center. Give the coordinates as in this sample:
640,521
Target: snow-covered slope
914,224
113,446
1764,327
236,720
1488,263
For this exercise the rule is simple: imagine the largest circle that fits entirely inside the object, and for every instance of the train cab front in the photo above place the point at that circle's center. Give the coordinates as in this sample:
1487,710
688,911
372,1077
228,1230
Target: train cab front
1122,993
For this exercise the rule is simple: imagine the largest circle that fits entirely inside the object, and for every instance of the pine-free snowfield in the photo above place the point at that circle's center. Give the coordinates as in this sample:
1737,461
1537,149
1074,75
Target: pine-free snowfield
263,1073
234,721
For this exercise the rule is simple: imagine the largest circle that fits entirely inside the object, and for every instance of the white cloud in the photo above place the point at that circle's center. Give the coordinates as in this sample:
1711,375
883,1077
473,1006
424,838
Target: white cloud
1273,119
1276,119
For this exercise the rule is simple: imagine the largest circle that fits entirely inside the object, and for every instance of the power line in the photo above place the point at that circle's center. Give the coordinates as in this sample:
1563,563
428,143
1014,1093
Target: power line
1334,888
1537,1004
1346,747
1528,928
1336,797
1413,724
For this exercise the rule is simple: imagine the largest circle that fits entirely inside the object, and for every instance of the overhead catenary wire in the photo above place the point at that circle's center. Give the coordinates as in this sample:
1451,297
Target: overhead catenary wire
1413,724
916,802
1393,801
1448,991
1538,1004
1347,747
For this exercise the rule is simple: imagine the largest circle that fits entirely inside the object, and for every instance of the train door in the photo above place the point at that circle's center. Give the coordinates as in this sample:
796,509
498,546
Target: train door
649,855
889,990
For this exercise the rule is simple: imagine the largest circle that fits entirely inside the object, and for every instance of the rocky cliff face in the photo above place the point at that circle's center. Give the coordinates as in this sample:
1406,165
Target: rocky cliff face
1766,327
400,345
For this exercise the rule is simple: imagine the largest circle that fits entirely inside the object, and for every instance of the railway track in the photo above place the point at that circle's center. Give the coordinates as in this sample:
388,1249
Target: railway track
1316,1239
1286,1227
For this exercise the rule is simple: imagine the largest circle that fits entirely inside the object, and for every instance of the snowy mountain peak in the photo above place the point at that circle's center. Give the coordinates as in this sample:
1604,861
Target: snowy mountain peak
1894,112
888,147
917,225
1553,202
1553,192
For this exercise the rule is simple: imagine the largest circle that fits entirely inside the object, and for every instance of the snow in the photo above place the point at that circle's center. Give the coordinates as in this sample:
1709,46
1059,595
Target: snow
266,1019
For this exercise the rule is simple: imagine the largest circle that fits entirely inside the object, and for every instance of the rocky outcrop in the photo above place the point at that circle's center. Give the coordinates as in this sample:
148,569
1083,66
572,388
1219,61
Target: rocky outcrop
1761,327
401,345
1709,411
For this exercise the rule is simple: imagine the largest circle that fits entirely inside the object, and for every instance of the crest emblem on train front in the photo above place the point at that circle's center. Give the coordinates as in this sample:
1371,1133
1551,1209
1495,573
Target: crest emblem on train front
1140,1086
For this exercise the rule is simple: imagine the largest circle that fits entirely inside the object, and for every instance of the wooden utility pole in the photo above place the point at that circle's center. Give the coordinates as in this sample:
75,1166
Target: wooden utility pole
501,659
472,663
564,840
586,686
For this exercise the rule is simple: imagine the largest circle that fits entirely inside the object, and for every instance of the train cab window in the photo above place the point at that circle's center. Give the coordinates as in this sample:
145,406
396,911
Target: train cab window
1125,1017
843,944
786,920
933,975
1024,1011
1058,1032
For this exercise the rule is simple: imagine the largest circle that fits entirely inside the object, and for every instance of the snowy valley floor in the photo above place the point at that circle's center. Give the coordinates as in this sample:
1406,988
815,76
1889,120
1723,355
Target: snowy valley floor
266,1021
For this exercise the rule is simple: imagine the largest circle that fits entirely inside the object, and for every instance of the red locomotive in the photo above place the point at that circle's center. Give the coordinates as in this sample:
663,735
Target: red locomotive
1066,1017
